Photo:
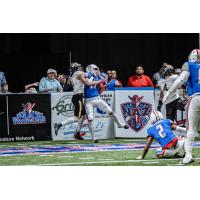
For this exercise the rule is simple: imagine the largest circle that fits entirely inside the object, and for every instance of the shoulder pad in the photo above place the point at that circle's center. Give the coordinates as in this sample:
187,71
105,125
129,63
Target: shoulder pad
185,66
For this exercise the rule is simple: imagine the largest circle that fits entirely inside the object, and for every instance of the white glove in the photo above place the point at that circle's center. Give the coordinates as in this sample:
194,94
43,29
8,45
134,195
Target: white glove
139,158
165,97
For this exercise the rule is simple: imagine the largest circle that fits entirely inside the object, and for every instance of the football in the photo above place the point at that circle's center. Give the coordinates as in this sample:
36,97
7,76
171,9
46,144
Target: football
101,87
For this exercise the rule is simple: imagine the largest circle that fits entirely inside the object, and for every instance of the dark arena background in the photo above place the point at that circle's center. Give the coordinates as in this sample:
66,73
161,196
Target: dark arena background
25,57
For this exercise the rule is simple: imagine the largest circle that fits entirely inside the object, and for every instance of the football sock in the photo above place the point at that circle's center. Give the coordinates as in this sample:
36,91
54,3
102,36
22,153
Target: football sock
80,123
91,128
188,144
119,124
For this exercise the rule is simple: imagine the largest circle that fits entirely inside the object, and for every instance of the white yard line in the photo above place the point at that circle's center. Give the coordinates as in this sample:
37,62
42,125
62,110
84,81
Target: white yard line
150,162
116,161
102,162
47,155
86,158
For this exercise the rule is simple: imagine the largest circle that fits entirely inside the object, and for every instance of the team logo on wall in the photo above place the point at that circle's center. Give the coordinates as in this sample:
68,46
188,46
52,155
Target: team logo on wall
64,106
136,113
29,116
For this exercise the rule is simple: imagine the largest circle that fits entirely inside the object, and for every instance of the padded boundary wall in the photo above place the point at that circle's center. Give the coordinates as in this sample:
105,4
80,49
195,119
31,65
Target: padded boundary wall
29,117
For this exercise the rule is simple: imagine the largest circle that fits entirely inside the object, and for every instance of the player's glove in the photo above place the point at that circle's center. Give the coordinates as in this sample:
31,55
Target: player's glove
159,105
166,97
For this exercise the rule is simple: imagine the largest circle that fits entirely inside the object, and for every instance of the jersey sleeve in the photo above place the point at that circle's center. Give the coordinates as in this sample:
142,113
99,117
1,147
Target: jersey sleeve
168,121
173,77
185,67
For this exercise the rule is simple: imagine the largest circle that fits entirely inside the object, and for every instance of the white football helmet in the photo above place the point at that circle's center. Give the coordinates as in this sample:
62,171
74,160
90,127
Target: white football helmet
194,55
93,69
155,116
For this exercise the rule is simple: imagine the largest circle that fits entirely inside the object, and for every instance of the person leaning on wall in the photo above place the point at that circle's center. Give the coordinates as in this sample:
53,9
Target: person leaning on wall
50,83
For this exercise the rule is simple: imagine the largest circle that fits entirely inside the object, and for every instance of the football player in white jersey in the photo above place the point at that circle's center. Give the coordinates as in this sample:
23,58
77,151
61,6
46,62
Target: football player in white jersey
191,74
78,82
173,101
93,99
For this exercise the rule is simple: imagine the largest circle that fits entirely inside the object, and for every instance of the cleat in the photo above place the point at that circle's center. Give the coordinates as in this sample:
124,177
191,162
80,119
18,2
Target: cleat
187,160
96,141
126,127
179,156
57,127
77,136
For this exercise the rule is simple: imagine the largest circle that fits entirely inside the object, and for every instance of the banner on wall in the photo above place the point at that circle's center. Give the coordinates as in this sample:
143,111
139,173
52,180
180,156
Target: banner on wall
29,117
62,108
133,106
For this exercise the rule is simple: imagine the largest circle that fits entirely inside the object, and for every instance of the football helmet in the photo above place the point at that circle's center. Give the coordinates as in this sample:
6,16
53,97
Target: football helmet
93,69
167,71
194,55
76,67
155,116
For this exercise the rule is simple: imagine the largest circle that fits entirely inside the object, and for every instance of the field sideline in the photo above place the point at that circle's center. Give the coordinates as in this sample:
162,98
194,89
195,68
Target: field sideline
112,152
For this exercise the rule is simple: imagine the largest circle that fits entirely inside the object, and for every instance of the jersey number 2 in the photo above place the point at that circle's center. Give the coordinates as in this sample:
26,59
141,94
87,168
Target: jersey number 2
160,131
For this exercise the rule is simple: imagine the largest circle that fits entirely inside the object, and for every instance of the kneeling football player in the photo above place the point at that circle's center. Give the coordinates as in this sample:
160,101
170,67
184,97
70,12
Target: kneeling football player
161,131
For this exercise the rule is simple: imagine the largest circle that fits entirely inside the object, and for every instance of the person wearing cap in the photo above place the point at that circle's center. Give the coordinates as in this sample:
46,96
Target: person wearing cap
50,83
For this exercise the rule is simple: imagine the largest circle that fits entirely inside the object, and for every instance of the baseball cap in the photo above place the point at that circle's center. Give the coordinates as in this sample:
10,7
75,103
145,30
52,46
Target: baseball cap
51,71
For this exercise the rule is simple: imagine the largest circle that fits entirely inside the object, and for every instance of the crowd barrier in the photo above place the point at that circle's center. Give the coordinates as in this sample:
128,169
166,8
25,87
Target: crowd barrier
29,117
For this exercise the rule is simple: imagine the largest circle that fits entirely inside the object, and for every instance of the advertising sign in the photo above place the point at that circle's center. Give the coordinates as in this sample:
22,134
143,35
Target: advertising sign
30,116
62,108
133,106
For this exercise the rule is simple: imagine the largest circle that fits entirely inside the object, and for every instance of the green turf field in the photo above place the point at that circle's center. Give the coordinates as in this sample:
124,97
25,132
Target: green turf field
96,158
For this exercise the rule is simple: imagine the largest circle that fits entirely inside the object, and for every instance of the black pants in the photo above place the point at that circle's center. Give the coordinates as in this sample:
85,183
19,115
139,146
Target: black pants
171,109
79,108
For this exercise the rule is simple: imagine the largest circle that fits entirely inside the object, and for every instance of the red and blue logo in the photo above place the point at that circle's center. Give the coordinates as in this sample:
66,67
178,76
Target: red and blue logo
136,113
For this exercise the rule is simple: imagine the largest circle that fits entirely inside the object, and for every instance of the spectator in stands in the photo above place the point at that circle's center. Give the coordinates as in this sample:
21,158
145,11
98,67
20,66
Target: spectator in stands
32,88
65,83
4,89
139,80
2,79
156,78
109,75
50,83
166,64
112,81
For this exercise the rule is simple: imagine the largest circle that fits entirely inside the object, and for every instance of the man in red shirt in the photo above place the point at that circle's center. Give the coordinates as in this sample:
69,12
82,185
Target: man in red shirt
139,80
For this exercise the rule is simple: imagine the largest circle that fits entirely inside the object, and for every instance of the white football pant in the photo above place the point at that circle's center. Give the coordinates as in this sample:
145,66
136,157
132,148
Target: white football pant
170,153
192,117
